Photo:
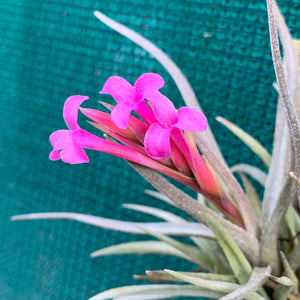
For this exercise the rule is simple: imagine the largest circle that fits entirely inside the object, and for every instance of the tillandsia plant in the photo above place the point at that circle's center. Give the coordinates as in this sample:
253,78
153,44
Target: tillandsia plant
245,249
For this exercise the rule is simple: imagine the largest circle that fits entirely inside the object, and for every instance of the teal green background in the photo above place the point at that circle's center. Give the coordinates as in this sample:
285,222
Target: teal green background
53,49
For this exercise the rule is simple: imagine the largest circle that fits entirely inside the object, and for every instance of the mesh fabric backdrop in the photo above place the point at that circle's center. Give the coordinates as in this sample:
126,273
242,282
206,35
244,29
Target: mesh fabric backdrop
56,48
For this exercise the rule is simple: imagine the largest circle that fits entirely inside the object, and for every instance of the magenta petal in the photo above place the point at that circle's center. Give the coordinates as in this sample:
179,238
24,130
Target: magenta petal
163,108
120,89
149,81
191,119
73,154
157,141
60,139
120,114
70,152
87,140
54,155
71,107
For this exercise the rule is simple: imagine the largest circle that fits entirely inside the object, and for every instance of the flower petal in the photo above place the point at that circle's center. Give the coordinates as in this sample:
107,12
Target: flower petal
149,81
70,112
120,114
163,108
120,89
70,152
157,141
191,119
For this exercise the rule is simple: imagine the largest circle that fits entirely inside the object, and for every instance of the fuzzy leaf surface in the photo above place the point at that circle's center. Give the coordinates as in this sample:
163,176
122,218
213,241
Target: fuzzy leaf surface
155,291
237,260
256,281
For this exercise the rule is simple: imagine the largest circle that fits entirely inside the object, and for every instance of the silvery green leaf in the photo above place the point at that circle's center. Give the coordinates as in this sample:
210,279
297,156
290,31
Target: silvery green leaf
288,272
296,44
214,254
189,228
279,165
268,249
286,92
294,257
196,256
254,284
141,247
180,80
232,186
156,212
252,171
252,195
237,260
251,142
284,287
165,276
292,221
159,196
246,241
155,291
281,145
217,286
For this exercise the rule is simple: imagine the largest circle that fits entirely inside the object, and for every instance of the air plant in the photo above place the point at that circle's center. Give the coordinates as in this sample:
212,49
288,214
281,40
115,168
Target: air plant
245,249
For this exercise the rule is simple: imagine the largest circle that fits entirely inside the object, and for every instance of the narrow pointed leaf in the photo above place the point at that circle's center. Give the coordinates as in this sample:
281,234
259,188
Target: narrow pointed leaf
288,272
256,281
180,80
284,287
193,252
251,142
268,250
217,286
185,229
165,276
294,257
141,247
214,254
252,195
155,291
254,172
159,213
246,241
237,260
159,196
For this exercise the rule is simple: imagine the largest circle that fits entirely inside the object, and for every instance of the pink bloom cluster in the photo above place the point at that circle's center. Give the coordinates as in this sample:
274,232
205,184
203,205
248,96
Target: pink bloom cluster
159,139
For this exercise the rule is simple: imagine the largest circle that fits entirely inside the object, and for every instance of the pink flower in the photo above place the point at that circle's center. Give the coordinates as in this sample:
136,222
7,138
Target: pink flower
64,146
157,139
131,97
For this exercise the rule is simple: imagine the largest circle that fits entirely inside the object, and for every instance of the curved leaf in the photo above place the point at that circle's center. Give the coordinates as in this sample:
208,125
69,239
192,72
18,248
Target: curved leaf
141,247
251,142
217,286
155,291
159,213
268,249
252,195
237,260
163,276
183,229
256,281
254,172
